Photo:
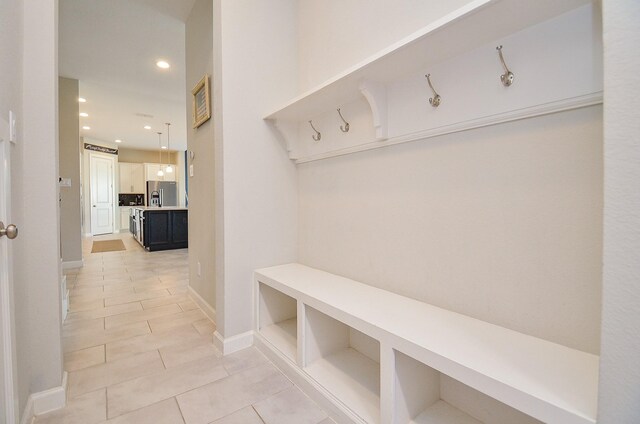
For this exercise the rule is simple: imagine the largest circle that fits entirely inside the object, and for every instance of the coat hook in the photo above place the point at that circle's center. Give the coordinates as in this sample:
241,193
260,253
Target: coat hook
436,99
318,135
507,77
344,128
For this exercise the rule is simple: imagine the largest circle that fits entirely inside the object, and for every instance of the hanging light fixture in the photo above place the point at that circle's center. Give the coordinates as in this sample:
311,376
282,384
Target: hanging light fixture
160,173
169,168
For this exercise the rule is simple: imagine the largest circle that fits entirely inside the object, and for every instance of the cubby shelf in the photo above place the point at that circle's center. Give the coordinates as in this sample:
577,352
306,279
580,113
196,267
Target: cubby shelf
471,26
443,413
277,320
283,336
353,378
545,380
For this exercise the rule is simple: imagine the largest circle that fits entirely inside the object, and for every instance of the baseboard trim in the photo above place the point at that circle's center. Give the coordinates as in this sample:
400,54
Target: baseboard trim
208,310
46,401
338,412
73,264
232,344
27,414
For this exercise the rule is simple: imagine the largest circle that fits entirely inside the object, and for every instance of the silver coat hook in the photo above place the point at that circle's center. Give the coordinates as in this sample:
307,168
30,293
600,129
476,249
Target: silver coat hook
507,77
436,99
344,128
318,135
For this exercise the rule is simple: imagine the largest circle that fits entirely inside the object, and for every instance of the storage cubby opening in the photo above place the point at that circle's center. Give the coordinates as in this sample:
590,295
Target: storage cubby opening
344,361
278,320
423,395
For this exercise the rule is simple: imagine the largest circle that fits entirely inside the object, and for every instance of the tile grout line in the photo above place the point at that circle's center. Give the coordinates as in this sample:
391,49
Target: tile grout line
175,398
258,414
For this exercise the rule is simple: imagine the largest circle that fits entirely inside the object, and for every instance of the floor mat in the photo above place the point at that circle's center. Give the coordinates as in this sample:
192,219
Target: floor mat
107,246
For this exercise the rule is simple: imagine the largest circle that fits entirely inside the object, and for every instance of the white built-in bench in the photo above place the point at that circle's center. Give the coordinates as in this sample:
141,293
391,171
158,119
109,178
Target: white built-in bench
379,357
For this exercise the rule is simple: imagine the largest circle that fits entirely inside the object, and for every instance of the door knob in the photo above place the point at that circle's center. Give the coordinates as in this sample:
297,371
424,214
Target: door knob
11,231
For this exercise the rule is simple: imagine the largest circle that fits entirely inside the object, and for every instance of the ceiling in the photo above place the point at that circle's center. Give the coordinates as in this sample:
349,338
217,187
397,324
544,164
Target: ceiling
111,47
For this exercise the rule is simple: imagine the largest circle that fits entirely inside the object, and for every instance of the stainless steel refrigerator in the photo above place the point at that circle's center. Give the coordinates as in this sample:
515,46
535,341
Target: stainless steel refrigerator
162,193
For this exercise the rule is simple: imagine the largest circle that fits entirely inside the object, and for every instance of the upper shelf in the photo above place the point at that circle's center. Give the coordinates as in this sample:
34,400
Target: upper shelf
471,26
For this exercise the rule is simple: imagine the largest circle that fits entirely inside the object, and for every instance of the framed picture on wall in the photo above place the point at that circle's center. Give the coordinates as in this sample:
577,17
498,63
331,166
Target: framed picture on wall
201,102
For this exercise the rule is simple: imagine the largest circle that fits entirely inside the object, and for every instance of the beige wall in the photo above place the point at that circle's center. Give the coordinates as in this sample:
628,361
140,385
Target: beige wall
145,156
199,61
69,140
502,223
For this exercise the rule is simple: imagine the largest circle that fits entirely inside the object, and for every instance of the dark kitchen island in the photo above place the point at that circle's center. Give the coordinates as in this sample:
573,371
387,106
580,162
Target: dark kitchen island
162,228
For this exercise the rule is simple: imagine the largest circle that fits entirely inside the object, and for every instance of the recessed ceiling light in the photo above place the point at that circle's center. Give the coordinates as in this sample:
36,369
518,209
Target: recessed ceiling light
82,100
86,127
164,147
84,114
118,141
147,127
162,64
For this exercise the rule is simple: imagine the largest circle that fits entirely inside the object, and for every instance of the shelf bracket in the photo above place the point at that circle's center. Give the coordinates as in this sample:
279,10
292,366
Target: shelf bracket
376,95
284,133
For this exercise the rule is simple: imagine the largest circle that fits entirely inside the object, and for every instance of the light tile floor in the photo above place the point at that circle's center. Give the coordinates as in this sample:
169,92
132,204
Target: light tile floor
138,350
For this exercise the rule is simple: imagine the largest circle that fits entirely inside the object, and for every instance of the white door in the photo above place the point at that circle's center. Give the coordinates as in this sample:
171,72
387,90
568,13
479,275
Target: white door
8,398
101,169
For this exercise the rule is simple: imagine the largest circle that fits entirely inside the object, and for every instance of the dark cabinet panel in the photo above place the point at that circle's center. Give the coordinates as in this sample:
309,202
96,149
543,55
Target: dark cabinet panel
166,229
180,226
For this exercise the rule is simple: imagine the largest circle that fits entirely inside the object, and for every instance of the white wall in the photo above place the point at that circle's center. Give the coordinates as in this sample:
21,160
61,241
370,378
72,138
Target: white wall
619,400
256,70
501,223
11,44
336,34
35,196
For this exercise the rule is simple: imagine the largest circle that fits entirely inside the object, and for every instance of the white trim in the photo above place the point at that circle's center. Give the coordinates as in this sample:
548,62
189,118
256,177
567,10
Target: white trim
114,194
27,414
501,118
232,344
73,264
338,411
45,401
208,310
64,304
8,344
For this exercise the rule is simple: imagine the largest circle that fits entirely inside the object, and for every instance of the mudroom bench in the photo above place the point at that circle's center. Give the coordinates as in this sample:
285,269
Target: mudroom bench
373,356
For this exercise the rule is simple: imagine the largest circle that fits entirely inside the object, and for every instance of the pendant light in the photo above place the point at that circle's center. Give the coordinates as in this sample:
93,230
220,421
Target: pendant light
160,173
169,168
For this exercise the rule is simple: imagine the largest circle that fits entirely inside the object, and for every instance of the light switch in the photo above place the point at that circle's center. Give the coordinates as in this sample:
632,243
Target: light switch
65,182
191,170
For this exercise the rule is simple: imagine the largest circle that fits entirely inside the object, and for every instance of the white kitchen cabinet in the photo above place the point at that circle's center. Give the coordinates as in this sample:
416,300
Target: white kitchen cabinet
170,176
151,172
124,217
131,177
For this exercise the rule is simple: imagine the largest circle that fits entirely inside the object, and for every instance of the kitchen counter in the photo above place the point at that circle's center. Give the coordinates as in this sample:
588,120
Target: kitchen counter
162,208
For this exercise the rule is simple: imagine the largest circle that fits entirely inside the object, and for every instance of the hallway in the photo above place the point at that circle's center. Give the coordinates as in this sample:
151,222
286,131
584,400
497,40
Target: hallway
138,350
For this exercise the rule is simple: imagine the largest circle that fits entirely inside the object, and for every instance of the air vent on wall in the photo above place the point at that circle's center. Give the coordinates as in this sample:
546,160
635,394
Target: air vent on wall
144,115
